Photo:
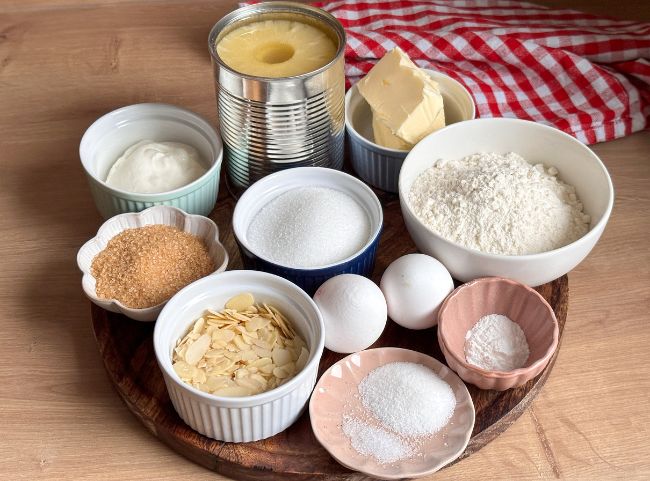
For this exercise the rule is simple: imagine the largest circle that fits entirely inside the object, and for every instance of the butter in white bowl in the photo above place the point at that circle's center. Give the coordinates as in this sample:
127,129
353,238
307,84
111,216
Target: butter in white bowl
406,101
376,151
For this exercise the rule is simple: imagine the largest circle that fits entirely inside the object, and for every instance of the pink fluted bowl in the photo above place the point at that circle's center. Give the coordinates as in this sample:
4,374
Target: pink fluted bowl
495,295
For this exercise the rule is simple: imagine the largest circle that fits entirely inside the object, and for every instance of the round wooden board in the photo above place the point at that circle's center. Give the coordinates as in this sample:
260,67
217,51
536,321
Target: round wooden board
127,350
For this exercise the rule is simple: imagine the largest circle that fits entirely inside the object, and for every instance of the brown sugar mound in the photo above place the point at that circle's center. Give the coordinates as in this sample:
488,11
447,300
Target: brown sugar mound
145,266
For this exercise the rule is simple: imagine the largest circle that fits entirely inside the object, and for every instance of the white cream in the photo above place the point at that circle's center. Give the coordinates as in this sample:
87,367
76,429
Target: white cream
149,167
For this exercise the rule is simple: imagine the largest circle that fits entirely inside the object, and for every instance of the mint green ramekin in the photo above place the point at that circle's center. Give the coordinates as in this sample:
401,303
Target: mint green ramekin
110,135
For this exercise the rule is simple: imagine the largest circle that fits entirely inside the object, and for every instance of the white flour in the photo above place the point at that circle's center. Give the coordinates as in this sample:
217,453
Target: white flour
498,204
496,343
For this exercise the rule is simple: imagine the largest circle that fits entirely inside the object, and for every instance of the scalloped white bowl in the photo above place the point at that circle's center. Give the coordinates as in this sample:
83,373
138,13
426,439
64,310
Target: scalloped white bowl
200,226
336,395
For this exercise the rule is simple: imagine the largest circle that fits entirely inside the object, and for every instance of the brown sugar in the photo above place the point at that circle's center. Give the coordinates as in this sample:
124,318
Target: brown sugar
145,266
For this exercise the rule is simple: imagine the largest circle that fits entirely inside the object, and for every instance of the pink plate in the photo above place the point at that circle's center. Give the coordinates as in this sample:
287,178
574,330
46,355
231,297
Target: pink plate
336,395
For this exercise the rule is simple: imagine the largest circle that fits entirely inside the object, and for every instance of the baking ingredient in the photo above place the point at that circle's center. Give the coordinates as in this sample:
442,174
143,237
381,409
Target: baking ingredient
241,350
385,137
354,312
376,442
149,167
276,48
404,98
408,398
309,227
414,286
496,343
498,204
145,266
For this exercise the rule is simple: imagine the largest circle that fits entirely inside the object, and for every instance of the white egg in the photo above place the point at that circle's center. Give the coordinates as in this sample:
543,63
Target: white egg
414,287
354,312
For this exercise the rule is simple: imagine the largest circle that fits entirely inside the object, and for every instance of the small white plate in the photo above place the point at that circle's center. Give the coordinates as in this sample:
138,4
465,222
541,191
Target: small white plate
334,397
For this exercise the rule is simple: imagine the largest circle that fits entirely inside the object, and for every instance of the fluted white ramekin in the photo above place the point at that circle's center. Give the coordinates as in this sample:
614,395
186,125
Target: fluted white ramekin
200,226
110,135
249,418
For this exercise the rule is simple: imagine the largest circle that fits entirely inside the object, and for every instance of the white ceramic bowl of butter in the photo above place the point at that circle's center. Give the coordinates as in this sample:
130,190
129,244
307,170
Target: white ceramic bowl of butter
109,137
577,165
377,165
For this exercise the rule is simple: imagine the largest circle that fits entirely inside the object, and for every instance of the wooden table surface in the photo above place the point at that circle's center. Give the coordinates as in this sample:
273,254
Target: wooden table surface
64,63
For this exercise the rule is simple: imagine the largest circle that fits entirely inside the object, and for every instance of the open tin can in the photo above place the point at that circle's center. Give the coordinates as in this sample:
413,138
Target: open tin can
271,124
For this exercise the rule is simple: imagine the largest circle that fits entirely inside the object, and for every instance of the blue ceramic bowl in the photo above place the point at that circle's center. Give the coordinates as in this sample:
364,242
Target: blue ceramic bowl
263,191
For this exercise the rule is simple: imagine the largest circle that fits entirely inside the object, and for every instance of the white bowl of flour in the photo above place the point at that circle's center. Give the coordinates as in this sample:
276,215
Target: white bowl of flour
482,211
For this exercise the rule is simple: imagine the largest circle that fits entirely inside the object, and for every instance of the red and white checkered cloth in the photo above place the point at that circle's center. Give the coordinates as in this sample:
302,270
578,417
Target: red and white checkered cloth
586,75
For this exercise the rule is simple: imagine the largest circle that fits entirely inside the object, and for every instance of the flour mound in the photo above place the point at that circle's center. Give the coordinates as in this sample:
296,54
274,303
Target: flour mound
498,204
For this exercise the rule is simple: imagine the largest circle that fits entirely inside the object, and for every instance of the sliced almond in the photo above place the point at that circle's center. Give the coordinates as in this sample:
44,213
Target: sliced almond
281,356
197,349
253,345
240,302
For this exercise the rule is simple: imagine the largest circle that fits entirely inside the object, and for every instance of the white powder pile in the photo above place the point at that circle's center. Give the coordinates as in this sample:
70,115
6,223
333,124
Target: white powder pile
309,227
408,398
404,403
496,343
379,443
498,204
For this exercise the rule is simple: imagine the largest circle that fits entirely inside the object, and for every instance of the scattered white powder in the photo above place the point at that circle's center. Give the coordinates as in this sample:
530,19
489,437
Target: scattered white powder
309,227
496,343
498,204
408,398
379,443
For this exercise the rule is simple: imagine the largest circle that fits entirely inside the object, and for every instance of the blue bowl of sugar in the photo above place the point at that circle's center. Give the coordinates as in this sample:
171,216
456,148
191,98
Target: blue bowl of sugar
308,224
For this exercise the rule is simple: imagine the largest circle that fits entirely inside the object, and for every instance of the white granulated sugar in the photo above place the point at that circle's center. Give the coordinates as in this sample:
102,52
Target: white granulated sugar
408,398
496,343
498,204
309,227
373,441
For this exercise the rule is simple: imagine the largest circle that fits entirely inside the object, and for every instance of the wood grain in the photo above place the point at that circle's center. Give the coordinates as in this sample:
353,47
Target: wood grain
127,350
64,63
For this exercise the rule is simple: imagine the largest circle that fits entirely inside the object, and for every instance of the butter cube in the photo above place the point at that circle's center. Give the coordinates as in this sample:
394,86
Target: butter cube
384,136
402,97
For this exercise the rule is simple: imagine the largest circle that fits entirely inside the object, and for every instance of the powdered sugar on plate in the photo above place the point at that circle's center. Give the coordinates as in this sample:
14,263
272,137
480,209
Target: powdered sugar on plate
374,441
404,402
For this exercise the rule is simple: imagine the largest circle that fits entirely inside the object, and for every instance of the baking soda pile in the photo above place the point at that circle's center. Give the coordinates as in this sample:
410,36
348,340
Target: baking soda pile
309,227
496,343
498,204
405,402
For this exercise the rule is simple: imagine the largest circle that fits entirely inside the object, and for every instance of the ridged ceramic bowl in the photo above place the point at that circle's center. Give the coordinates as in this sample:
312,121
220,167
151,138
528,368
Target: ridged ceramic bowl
493,295
110,135
263,191
197,225
537,143
377,165
336,395
250,418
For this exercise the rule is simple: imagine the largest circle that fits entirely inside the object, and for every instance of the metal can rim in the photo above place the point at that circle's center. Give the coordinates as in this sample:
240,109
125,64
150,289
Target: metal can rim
264,7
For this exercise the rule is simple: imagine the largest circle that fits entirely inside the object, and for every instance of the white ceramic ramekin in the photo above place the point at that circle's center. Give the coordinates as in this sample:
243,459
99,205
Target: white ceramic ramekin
110,135
263,191
537,143
377,165
239,419
197,225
